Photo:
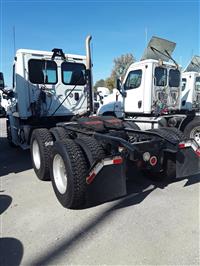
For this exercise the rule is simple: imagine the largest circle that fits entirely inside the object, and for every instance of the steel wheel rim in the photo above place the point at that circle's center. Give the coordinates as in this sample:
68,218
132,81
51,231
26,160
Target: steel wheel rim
195,134
36,154
59,174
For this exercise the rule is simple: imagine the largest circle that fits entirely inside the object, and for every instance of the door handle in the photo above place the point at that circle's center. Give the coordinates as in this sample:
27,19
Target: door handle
139,104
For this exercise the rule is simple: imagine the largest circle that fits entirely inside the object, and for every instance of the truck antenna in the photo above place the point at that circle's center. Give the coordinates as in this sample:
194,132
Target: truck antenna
14,42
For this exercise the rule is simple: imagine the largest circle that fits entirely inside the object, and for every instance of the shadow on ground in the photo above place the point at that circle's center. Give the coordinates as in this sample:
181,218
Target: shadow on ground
138,189
12,159
5,202
11,251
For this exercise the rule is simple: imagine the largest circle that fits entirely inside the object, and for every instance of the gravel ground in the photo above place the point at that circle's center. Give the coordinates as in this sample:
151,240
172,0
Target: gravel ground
155,224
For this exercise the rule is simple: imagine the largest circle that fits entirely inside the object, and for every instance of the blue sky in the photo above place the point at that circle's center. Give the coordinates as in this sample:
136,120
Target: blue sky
117,27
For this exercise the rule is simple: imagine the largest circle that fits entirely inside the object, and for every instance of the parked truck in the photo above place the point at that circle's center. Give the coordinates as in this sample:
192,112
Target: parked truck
190,99
2,97
85,155
151,93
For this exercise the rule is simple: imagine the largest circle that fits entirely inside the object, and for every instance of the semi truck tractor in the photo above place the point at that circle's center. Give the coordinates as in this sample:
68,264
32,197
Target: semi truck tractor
85,156
151,93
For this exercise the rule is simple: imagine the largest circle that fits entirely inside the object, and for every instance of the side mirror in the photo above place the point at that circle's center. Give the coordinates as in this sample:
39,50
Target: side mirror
118,85
2,85
119,88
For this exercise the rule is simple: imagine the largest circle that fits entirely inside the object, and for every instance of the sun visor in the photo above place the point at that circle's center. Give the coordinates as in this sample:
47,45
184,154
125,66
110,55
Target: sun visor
158,49
194,65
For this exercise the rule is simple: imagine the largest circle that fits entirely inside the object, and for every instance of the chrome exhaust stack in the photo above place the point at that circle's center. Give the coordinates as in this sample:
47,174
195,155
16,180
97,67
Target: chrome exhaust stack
89,74
88,52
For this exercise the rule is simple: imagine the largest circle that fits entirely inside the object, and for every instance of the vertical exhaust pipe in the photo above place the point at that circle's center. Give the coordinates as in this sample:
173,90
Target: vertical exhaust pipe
89,74
88,52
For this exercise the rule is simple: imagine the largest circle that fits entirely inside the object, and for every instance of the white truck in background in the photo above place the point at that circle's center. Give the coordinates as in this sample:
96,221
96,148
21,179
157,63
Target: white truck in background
2,104
151,93
3,98
100,95
190,99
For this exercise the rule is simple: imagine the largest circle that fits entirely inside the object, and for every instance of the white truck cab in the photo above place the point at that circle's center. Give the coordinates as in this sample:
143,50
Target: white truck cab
151,93
191,85
151,86
41,81
48,87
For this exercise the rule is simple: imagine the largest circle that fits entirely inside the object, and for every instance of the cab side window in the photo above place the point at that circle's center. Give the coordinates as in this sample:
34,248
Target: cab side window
133,80
197,84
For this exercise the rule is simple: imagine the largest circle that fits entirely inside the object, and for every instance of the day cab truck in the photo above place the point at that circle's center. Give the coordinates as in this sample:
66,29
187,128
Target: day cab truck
151,93
2,98
84,156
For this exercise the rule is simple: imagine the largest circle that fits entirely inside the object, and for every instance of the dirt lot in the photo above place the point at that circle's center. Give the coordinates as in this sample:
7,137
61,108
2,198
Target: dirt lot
155,224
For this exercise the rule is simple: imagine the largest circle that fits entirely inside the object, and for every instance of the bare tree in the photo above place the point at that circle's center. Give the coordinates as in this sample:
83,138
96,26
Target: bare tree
121,64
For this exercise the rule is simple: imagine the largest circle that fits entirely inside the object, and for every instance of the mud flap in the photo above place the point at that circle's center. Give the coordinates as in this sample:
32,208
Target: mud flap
187,163
108,184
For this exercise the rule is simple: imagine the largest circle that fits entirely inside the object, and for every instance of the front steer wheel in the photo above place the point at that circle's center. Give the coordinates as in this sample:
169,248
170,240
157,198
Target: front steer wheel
41,147
68,171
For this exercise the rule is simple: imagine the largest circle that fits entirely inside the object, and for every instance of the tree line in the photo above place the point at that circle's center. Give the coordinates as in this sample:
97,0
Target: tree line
120,66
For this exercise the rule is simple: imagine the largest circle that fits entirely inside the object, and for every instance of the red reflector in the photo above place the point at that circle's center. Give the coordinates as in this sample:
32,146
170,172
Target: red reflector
90,178
117,161
153,160
181,145
197,152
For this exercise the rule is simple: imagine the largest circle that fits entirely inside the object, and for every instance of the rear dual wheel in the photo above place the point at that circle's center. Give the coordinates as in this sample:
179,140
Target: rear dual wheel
68,172
69,168
41,148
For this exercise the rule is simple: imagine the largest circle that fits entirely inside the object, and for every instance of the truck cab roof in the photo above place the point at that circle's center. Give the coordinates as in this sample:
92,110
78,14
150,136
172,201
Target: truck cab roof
151,61
49,54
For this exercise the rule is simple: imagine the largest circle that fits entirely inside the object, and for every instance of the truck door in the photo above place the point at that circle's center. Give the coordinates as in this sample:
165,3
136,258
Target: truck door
197,92
133,86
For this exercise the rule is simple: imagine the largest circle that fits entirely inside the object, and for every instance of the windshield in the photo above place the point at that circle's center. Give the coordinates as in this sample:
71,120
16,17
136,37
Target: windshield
174,78
42,71
160,76
73,73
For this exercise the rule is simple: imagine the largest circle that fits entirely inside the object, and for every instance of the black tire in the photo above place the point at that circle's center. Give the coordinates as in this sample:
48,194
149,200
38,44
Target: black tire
131,125
192,130
179,134
95,148
76,169
41,142
9,135
3,112
171,134
59,133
